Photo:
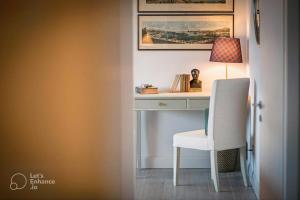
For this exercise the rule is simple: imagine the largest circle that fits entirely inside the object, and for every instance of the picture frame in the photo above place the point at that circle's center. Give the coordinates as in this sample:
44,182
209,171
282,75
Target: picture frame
256,20
186,6
182,32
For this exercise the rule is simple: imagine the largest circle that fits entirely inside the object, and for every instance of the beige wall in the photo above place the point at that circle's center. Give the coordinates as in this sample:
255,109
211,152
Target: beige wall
60,97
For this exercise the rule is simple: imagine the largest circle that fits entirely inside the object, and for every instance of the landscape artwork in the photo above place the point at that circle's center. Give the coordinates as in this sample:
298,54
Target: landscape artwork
185,1
182,32
185,5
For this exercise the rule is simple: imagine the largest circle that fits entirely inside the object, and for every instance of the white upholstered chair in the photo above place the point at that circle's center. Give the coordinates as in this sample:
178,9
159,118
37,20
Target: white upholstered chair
226,127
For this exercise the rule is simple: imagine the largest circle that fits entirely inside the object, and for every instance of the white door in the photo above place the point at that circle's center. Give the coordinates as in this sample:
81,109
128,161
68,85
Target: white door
268,72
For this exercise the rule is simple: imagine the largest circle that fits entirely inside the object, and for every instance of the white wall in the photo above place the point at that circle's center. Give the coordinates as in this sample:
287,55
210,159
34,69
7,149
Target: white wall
273,66
159,68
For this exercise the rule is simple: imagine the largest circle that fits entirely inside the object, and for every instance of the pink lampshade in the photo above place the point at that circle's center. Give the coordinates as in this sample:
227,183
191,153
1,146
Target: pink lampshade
226,50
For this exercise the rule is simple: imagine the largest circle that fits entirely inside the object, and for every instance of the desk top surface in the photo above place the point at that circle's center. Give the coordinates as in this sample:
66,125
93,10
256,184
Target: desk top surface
181,95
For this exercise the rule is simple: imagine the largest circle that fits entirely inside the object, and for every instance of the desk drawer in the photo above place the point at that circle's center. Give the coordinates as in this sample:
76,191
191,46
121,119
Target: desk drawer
198,104
156,104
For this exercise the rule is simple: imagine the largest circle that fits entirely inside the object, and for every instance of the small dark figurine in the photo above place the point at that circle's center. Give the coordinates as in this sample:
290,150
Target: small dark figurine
195,84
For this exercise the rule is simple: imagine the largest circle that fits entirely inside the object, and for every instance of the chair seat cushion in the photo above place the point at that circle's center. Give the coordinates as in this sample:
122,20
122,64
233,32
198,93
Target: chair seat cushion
193,140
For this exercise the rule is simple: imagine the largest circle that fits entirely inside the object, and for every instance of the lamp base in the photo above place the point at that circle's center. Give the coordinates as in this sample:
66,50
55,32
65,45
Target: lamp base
226,73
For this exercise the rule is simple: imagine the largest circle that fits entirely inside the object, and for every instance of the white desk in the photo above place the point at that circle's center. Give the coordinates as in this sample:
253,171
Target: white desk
166,101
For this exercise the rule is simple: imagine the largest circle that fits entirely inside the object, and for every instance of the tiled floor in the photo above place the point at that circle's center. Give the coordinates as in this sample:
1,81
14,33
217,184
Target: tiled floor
194,184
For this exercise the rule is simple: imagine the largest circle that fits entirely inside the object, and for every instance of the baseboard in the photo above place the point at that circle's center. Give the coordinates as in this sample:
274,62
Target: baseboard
167,162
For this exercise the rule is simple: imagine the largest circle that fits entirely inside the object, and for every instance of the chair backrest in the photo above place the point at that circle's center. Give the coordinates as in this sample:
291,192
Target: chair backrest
228,113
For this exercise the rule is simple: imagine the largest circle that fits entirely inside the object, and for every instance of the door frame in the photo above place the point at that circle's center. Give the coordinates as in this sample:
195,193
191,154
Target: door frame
291,100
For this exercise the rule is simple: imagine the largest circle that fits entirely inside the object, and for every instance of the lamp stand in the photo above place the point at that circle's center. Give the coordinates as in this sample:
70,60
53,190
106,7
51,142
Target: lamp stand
226,73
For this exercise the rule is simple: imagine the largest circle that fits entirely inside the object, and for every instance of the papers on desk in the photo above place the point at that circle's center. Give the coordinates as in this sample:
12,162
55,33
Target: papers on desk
146,89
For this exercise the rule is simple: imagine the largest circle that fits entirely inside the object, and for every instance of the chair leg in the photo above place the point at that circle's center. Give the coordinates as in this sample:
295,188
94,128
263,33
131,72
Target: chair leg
214,169
176,163
244,165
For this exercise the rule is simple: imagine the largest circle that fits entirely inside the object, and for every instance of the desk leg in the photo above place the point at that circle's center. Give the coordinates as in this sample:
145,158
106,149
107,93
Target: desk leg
206,119
138,139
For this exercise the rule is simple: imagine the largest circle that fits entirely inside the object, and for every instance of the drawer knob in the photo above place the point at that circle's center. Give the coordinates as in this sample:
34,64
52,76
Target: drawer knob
162,104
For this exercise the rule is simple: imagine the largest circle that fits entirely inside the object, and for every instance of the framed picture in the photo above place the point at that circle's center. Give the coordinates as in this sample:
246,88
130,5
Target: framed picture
182,32
185,6
256,20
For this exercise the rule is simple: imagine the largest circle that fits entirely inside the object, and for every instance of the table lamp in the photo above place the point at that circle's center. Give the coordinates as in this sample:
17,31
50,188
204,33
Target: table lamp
226,50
